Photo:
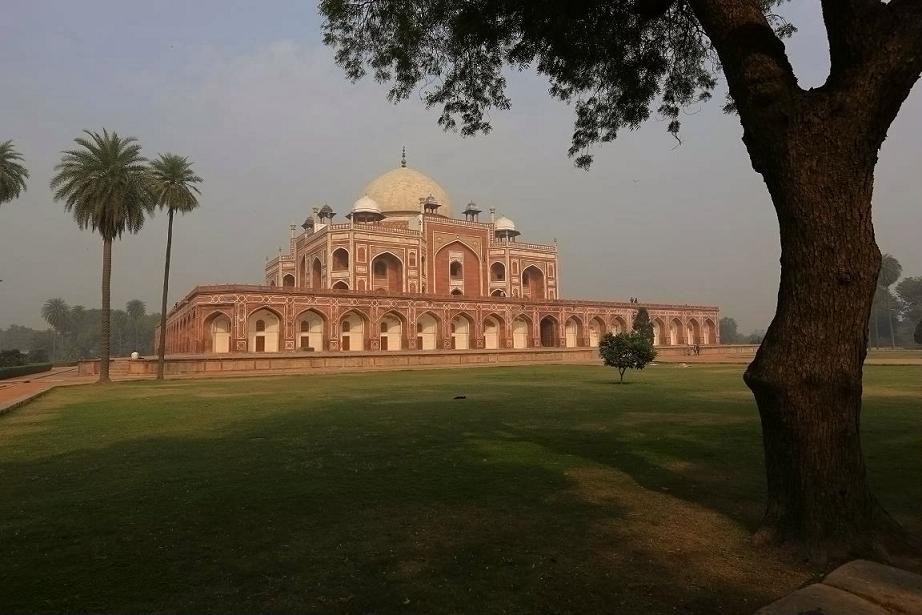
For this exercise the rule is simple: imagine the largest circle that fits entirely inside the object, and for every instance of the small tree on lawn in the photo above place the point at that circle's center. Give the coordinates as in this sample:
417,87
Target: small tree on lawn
626,351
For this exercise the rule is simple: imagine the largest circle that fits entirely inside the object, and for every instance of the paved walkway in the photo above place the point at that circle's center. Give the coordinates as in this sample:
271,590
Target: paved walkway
857,588
17,391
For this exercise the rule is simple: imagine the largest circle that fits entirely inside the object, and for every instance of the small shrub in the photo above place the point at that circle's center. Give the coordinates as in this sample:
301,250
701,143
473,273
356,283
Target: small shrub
626,351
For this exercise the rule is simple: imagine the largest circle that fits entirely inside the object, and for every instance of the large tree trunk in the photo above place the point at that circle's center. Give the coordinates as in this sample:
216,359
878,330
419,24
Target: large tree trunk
816,150
161,346
104,332
806,376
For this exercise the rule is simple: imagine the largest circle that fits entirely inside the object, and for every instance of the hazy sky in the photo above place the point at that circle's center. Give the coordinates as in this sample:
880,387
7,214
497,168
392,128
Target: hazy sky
248,91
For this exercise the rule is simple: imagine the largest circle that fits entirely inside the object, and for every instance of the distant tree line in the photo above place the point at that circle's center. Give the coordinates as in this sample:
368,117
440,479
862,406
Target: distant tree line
74,332
730,334
896,312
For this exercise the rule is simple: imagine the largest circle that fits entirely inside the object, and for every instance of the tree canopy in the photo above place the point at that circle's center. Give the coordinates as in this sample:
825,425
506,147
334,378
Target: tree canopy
13,174
625,351
102,182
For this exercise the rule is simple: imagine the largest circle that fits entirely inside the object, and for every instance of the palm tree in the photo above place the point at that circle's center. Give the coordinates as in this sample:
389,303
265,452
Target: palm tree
172,184
103,183
55,312
136,311
12,174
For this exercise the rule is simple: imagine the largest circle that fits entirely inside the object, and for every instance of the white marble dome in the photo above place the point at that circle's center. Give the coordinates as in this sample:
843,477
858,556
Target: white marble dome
366,205
399,192
504,224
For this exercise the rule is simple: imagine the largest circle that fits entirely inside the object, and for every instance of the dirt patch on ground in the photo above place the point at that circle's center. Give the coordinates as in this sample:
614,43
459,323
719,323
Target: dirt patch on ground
699,547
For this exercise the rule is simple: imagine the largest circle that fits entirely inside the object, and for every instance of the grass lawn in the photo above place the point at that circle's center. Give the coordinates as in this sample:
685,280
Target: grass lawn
549,489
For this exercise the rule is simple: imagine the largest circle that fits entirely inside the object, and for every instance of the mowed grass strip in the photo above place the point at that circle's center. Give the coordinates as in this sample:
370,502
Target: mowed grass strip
549,489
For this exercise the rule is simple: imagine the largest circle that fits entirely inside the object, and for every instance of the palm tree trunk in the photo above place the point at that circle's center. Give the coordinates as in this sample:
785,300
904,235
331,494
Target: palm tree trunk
104,331
161,350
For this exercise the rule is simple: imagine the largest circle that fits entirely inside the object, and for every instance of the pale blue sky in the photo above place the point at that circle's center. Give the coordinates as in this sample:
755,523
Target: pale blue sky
247,90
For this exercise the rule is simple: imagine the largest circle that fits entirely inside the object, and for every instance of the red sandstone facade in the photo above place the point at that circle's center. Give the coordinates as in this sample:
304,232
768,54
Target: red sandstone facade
403,275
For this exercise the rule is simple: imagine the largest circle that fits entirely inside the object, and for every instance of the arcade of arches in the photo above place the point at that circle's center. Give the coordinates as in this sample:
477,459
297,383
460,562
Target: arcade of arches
352,324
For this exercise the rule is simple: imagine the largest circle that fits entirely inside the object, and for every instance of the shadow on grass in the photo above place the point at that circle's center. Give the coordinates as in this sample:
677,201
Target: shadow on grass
345,512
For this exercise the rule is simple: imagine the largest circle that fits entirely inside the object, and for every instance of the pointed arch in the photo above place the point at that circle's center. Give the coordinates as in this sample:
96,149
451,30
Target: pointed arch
353,330
618,325
522,331
428,325
573,331
387,272
341,285
216,333
710,332
675,332
457,266
550,331
264,329
533,283
659,332
692,332
596,330
316,274
392,328
304,272
498,272
461,330
311,330
340,258
494,328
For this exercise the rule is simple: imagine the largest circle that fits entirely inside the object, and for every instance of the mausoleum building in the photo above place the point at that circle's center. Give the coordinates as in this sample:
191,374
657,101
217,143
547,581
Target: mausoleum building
402,272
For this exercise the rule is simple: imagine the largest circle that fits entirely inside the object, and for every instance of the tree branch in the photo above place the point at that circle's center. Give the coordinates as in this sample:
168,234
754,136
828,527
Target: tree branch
876,56
759,75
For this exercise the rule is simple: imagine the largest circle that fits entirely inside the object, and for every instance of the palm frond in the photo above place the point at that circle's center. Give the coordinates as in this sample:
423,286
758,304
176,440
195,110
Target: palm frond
102,183
13,175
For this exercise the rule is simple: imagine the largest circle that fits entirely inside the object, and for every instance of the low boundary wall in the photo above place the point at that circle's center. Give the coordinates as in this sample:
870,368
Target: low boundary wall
307,361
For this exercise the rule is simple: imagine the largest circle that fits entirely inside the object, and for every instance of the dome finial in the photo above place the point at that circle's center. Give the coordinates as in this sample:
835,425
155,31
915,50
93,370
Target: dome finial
403,156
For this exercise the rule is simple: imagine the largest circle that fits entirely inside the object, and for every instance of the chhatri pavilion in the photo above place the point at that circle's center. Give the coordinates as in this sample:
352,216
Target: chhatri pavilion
403,273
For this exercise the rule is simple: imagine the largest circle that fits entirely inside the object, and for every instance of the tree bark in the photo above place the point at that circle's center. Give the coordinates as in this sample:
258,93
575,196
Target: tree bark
161,347
104,329
816,150
806,376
